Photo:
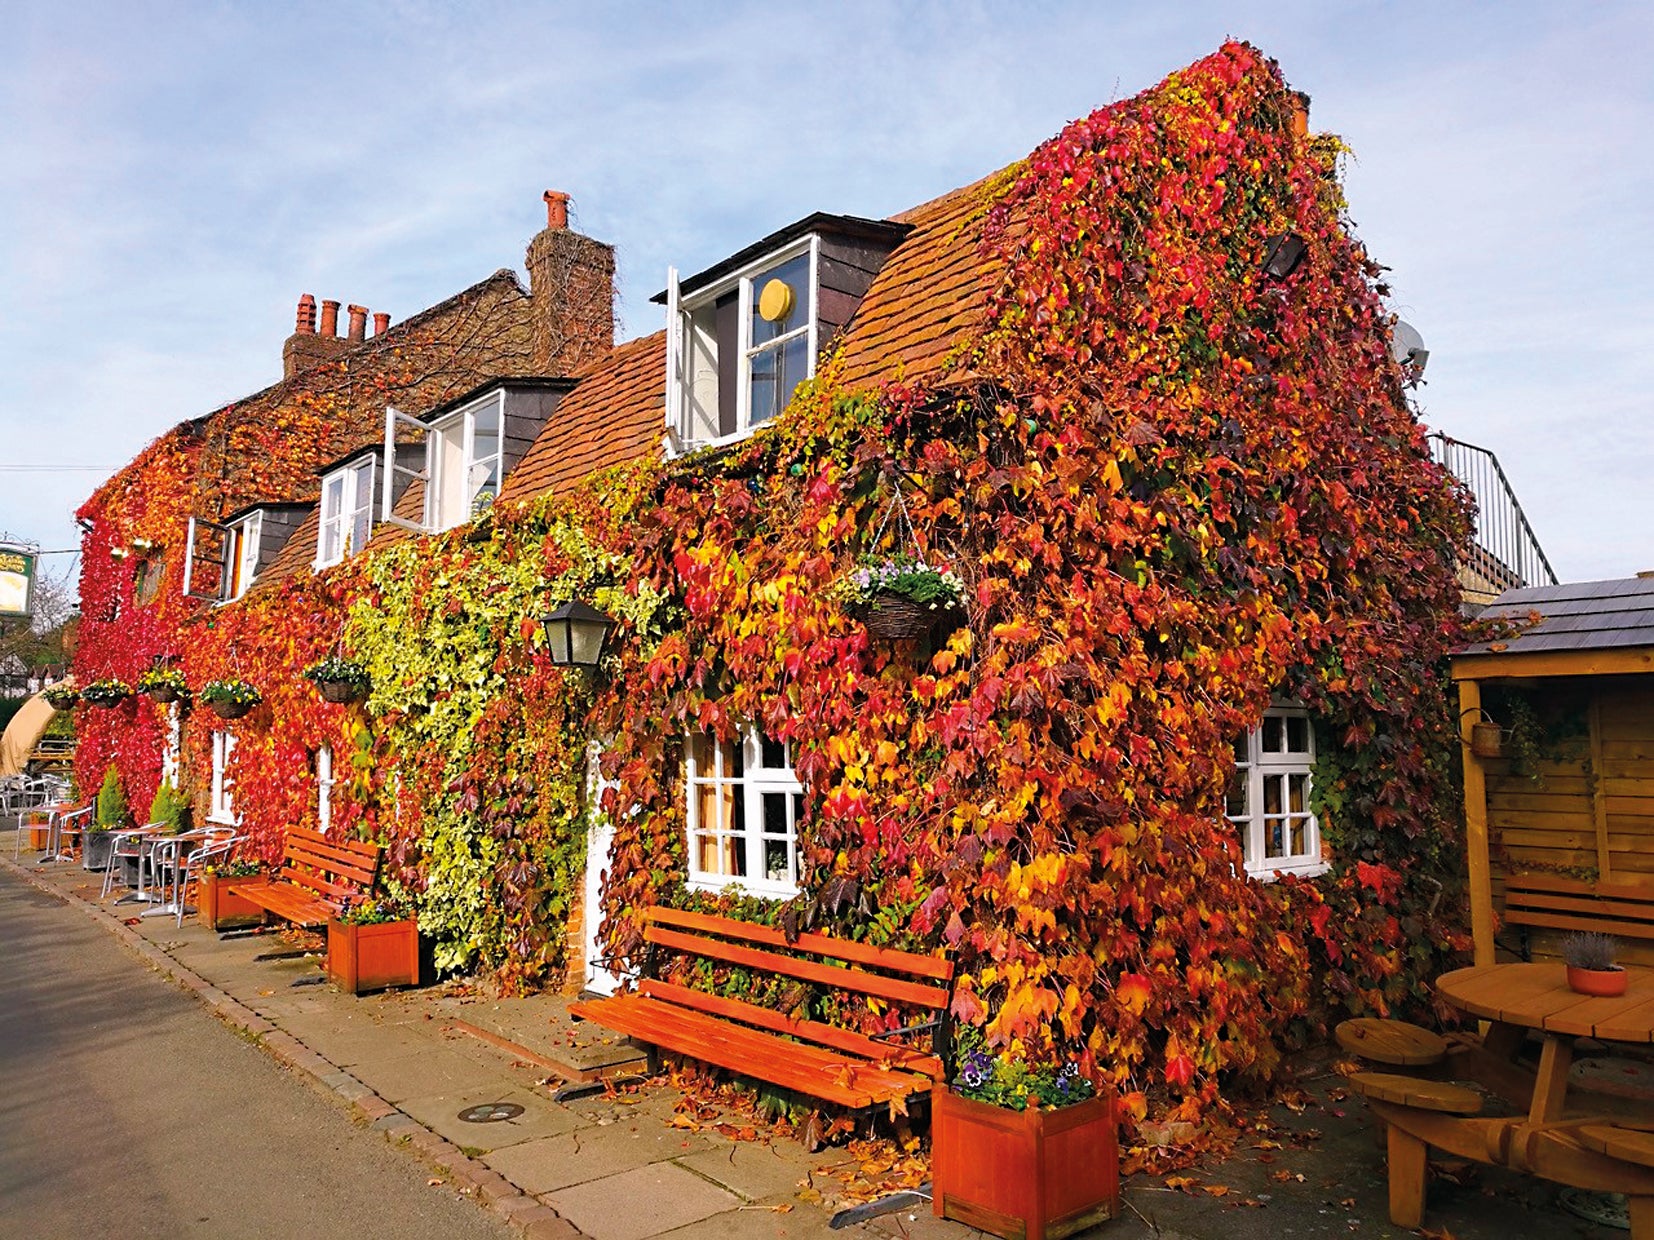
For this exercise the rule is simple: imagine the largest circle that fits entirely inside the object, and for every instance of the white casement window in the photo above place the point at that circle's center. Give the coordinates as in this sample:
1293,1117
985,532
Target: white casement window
744,805
1268,798
737,351
242,560
324,788
347,513
463,463
222,809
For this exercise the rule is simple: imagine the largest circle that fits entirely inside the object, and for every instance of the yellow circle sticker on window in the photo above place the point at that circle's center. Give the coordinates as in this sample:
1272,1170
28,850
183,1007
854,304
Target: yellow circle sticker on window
775,301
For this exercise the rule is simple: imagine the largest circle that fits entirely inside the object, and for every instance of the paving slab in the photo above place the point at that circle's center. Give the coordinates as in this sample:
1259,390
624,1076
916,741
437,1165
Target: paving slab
752,1170
429,1072
541,1117
645,1201
592,1153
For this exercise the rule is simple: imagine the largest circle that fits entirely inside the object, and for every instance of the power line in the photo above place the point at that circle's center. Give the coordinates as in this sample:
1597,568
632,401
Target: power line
55,469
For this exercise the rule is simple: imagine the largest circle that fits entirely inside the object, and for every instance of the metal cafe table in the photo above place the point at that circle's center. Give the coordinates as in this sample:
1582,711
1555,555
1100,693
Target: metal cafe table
1517,999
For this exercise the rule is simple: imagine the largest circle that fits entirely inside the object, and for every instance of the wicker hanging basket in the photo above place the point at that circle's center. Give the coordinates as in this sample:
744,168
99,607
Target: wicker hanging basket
230,710
162,694
895,617
342,692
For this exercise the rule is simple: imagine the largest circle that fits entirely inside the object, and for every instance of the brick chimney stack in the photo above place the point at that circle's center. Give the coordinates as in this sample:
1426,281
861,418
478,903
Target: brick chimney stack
572,281
381,323
307,346
358,323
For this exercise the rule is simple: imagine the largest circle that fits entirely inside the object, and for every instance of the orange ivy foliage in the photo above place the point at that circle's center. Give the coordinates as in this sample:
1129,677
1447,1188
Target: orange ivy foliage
1180,489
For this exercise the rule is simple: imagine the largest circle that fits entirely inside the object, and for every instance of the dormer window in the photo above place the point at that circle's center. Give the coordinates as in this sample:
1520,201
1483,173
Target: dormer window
741,347
464,463
221,561
743,334
347,512
243,547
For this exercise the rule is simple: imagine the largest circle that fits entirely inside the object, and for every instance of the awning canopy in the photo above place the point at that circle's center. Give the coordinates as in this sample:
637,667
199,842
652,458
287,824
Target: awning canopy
24,731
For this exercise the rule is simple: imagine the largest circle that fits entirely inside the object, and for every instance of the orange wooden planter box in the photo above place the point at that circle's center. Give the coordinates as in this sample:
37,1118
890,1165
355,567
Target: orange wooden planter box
39,837
1025,1175
217,907
363,958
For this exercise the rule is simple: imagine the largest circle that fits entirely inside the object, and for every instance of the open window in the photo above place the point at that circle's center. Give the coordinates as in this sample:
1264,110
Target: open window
464,456
1269,795
221,808
346,512
737,350
221,561
744,806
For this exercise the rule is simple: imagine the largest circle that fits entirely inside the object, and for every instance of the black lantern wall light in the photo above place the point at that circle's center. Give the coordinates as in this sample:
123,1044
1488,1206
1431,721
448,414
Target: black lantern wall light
576,634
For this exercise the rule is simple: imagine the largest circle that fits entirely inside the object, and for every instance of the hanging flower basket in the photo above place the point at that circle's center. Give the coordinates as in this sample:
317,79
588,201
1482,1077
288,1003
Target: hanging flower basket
106,692
61,697
229,699
340,680
899,595
162,684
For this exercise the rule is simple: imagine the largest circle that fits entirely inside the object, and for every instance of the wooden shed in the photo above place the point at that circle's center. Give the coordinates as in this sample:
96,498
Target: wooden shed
1559,802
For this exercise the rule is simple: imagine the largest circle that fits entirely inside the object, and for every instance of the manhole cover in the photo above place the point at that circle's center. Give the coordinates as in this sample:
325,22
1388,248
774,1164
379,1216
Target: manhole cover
491,1113
1606,1209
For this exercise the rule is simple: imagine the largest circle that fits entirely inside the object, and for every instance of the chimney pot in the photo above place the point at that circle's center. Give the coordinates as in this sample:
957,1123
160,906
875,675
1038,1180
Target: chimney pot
330,318
306,321
1300,114
358,322
381,323
557,209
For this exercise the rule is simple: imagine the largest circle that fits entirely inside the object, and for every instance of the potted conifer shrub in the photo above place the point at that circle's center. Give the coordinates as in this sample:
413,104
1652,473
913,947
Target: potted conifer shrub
1023,1151
1591,966
373,945
229,699
110,815
340,680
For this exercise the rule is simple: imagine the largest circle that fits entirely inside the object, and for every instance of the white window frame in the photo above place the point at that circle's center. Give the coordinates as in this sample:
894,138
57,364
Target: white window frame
222,807
324,788
355,500
1257,769
172,744
679,383
465,419
755,780
199,540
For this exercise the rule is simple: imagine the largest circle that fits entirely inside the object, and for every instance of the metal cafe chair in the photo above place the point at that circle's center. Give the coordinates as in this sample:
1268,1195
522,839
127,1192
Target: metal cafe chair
129,847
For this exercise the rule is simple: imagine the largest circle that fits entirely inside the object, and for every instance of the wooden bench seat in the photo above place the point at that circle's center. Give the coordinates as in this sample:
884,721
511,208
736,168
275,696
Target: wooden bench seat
1422,1095
1625,910
811,1057
1393,1042
317,878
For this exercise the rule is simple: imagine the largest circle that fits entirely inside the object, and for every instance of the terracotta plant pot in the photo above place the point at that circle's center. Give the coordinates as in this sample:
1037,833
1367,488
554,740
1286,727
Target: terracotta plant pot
1033,1174
218,906
340,691
364,958
230,710
1603,983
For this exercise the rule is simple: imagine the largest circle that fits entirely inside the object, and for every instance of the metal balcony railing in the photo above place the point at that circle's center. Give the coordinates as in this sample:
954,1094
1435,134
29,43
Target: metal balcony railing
1506,553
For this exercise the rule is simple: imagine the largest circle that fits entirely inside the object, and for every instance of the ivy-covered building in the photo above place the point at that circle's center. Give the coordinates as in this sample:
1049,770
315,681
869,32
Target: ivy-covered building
1175,781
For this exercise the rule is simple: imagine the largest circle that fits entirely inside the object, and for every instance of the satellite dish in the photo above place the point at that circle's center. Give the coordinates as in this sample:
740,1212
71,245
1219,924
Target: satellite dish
1407,347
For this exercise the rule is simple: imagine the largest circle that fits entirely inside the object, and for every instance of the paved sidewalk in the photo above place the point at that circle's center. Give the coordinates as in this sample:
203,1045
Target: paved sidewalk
617,1167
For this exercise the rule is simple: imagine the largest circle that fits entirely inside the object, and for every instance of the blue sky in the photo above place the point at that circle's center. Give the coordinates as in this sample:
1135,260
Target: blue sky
174,178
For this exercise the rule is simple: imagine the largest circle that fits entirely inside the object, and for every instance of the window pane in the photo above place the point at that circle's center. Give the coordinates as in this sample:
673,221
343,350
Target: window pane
1234,802
1297,734
1274,844
1273,734
772,755
1299,794
1242,751
735,758
702,755
777,863
794,274
1300,836
775,813
775,373
1272,794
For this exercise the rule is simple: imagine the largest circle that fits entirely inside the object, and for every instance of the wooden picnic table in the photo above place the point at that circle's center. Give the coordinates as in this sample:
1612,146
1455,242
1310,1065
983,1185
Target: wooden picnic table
1518,998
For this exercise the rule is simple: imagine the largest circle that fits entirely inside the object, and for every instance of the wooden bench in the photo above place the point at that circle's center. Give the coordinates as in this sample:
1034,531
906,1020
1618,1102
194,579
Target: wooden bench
1544,900
1393,1042
316,879
811,1057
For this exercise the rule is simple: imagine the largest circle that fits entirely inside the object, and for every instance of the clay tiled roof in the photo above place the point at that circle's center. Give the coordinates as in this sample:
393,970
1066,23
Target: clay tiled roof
617,413
930,298
298,552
